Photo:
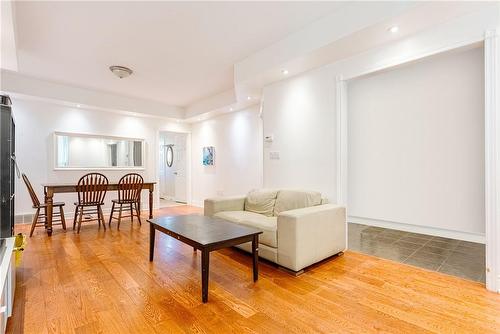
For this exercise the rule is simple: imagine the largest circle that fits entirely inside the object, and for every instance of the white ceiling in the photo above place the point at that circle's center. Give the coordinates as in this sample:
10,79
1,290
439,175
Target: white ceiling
180,52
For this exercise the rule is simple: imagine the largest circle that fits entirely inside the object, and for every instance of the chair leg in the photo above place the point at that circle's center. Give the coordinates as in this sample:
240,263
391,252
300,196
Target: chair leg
63,220
137,210
131,214
77,208
45,213
80,216
120,216
111,215
35,219
101,217
98,217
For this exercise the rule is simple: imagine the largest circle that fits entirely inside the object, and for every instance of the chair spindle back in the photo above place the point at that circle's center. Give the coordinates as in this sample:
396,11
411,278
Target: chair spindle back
92,188
129,187
34,198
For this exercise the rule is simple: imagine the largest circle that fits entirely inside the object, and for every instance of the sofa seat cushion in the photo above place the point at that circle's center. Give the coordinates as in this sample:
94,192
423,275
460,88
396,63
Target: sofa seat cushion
295,199
268,225
261,201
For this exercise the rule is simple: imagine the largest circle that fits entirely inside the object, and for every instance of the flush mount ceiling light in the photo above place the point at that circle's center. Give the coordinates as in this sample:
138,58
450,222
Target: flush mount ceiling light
120,71
394,29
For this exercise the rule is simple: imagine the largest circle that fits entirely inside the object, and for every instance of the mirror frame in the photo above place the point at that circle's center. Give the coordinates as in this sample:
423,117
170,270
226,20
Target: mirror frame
93,135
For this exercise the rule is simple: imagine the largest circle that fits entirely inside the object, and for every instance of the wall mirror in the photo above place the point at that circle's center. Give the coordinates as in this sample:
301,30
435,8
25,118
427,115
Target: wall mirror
83,151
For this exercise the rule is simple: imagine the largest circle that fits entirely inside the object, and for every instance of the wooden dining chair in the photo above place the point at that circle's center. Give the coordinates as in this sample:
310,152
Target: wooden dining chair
91,189
40,218
129,195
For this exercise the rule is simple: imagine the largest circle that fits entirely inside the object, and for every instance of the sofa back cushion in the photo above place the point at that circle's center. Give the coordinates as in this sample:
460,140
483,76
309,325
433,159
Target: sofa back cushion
295,199
261,201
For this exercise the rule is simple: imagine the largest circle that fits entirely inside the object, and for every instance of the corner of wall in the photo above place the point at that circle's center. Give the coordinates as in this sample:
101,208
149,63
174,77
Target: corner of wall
197,203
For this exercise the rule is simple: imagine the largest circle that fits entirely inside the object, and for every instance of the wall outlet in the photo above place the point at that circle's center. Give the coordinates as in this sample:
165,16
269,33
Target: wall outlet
274,155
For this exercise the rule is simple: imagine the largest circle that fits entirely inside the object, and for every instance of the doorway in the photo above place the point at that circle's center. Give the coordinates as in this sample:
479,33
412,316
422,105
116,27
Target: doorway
408,167
172,168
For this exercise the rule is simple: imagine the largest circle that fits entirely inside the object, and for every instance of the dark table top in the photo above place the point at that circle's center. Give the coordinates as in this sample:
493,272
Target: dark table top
202,229
74,184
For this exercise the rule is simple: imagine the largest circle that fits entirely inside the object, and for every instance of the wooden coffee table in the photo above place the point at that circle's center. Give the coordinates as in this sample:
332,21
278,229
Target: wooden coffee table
206,234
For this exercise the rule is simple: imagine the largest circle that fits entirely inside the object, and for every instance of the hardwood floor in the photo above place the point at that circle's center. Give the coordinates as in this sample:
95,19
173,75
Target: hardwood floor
102,282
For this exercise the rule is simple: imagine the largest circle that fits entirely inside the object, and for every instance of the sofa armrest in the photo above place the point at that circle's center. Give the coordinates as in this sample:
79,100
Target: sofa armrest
214,205
309,235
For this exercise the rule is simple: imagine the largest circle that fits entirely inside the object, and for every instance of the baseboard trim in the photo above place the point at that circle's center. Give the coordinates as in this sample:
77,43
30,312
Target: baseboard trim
24,218
167,198
199,204
27,218
466,236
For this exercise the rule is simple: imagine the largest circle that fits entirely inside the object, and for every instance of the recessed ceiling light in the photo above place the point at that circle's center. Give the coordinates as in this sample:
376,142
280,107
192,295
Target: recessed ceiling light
231,109
394,29
120,71
284,72
249,97
78,105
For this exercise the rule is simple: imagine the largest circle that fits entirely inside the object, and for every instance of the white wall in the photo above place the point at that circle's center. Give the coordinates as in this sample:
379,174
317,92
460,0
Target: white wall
237,138
37,120
300,114
416,143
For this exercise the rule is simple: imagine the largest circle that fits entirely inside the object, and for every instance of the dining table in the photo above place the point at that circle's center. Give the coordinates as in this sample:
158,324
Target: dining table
50,189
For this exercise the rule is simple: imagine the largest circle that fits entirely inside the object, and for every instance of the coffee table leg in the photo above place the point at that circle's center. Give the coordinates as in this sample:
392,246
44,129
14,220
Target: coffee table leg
151,242
255,253
205,259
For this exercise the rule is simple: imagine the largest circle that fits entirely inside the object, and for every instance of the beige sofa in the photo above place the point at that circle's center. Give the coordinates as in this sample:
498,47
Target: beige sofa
299,227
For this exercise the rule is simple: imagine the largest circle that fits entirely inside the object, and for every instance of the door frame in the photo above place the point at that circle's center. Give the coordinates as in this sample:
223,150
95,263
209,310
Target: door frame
491,40
188,164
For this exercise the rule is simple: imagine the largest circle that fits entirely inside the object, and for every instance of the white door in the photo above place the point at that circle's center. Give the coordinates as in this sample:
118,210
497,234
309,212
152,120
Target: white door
163,172
180,170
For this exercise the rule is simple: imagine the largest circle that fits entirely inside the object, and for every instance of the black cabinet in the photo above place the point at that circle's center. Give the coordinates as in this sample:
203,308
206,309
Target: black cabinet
7,168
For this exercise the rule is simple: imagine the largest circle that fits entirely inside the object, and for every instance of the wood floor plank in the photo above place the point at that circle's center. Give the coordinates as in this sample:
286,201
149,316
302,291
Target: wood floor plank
102,282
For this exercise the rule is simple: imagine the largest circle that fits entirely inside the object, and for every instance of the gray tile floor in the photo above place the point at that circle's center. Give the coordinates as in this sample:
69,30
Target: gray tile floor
454,257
